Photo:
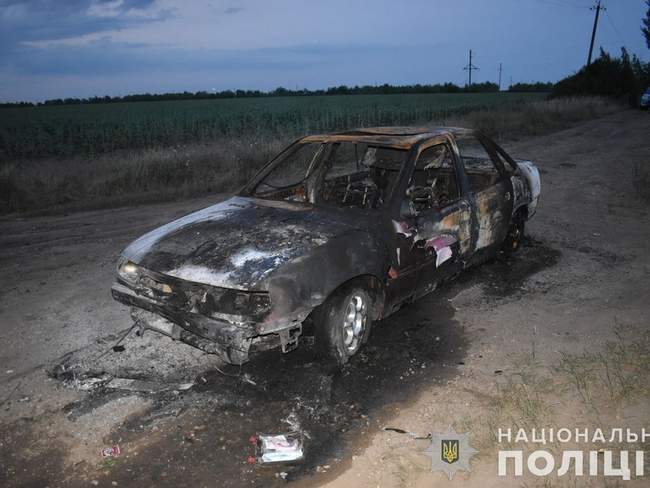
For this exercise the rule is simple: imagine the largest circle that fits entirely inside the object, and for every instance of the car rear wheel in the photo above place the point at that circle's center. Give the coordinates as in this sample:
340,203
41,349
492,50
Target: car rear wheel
515,237
343,323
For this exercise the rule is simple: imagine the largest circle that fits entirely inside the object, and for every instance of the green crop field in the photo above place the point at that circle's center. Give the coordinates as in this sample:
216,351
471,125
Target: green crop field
91,156
90,130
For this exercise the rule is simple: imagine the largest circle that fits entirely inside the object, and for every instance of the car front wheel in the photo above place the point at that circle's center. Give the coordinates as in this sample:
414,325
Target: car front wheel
343,323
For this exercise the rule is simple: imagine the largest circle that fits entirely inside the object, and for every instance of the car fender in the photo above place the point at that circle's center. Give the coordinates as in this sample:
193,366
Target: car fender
531,175
306,282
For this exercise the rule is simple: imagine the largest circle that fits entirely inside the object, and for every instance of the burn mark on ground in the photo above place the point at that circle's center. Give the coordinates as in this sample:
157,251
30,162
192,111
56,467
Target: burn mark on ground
505,276
273,392
201,436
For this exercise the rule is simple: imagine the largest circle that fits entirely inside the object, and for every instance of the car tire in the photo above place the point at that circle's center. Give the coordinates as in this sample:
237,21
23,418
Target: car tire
515,236
342,323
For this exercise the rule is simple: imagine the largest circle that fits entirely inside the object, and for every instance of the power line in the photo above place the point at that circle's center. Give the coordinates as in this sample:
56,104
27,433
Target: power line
618,32
562,3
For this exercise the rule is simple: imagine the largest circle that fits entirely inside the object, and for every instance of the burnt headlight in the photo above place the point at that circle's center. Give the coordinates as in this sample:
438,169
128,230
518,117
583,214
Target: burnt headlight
128,271
220,301
260,303
251,303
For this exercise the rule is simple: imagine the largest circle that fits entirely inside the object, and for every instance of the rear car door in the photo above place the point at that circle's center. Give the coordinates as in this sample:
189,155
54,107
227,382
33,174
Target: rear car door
490,192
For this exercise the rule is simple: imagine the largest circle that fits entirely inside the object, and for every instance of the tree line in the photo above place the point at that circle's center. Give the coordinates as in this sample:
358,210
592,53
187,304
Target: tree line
385,89
624,78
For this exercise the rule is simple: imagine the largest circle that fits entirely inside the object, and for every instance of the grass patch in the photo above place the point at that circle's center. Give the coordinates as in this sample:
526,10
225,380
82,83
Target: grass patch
538,118
583,390
615,377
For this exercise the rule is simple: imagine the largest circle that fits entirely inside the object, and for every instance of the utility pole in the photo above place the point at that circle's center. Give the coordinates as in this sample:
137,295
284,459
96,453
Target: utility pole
597,8
469,68
500,69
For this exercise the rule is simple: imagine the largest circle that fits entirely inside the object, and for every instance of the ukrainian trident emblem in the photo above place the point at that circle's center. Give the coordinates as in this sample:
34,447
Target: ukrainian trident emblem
449,450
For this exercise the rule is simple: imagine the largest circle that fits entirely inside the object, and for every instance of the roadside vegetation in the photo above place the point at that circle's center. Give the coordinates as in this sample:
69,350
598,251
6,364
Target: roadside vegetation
624,78
92,156
584,389
89,130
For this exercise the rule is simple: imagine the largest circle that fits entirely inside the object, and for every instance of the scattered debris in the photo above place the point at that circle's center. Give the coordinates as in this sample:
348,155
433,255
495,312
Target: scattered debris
10,393
146,386
412,435
88,383
277,448
293,422
246,378
113,451
498,371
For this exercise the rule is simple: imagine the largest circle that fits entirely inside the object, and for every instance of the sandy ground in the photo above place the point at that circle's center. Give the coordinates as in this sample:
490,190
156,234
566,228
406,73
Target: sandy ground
489,350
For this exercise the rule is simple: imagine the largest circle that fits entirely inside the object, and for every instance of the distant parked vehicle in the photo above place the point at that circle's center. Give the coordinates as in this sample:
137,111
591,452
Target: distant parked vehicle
338,231
645,99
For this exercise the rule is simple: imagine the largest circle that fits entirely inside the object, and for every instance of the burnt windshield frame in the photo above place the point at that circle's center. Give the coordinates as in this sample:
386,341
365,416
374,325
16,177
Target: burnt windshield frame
325,164
251,187
501,152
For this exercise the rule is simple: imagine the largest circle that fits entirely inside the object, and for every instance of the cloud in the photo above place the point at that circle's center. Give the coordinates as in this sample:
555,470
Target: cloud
105,56
232,10
45,20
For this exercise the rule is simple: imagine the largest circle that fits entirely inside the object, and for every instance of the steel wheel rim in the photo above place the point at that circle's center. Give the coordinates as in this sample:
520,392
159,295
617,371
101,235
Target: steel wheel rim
354,322
515,235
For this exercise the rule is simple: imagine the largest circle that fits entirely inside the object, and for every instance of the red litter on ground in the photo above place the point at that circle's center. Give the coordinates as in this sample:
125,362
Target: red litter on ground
111,451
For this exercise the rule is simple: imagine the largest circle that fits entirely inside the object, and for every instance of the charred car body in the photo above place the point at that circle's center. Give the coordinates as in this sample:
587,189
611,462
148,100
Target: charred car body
337,231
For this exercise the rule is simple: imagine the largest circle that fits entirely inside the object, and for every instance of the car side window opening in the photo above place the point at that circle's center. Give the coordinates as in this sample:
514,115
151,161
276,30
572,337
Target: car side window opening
481,170
360,175
433,184
287,180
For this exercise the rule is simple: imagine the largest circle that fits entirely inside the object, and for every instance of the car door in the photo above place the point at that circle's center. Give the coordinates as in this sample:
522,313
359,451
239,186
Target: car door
435,233
490,193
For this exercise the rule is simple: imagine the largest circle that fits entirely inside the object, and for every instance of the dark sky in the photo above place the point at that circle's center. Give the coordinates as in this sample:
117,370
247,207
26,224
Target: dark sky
80,48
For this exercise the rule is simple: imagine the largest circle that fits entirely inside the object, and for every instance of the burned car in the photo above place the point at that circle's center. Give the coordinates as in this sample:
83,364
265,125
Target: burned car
335,233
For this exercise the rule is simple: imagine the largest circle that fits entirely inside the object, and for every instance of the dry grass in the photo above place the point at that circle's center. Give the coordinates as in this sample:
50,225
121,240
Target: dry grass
538,118
178,172
125,178
585,389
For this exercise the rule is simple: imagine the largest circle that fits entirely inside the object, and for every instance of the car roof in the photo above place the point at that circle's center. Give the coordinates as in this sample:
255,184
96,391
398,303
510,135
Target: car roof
397,137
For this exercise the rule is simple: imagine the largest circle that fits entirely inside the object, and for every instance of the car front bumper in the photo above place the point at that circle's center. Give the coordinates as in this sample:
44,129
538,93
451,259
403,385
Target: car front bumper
231,341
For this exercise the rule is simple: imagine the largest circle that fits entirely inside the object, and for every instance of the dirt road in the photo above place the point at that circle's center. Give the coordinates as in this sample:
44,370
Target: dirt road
447,360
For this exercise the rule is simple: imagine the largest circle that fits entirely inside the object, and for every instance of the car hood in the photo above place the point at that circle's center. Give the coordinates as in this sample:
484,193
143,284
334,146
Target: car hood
237,243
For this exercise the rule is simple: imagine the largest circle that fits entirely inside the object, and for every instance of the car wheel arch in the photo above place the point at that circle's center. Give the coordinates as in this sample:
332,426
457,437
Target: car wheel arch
372,284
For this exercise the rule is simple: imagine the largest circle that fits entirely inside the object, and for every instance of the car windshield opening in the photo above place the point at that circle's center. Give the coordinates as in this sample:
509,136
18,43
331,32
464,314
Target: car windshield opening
343,174
288,176
360,175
